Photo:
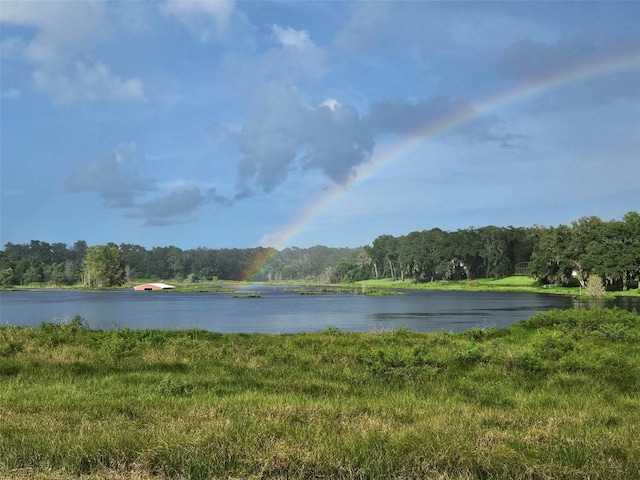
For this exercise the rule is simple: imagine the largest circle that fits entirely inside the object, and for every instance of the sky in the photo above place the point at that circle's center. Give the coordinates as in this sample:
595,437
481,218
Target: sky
224,124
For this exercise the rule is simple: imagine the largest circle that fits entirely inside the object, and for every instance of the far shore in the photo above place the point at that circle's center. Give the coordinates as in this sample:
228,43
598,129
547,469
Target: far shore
514,283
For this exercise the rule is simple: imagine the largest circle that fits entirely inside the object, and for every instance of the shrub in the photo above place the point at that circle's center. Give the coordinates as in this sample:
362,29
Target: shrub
10,346
554,346
389,362
595,287
528,362
470,356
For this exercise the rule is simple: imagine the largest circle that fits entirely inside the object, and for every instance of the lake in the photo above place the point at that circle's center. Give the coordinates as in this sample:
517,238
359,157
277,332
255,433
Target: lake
279,310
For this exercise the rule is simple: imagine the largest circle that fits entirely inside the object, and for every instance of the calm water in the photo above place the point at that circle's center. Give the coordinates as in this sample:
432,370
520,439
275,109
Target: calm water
276,311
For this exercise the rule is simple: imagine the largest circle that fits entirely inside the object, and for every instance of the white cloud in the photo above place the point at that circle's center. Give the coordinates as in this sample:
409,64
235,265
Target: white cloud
331,104
288,37
88,82
287,135
64,33
296,56
208,20
177,207
62,30
115,177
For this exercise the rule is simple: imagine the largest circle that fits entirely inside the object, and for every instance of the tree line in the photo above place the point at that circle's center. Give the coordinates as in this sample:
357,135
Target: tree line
589,246
551,255
110,265
435,254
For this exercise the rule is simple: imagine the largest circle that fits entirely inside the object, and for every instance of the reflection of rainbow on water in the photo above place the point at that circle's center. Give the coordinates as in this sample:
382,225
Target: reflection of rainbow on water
400,148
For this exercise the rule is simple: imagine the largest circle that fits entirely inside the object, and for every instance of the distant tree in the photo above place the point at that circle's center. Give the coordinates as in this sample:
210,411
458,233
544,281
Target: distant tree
424,255
79,249
614,255
6,277
632,239
494,251
7,273
372,259
464,247
103,267
349,270
386,247
56,273
134,257
32,275
551,261
584,232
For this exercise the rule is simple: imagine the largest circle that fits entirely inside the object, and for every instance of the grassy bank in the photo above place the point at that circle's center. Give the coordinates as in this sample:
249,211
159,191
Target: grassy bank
514,283
557,396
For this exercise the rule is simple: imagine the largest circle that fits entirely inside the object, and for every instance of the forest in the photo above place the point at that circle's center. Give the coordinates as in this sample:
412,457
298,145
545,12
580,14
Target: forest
551,255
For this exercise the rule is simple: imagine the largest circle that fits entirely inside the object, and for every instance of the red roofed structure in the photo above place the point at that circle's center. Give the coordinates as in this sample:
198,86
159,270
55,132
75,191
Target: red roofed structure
153,286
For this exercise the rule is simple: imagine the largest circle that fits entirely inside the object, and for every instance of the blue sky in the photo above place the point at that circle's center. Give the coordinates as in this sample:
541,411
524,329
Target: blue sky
236,124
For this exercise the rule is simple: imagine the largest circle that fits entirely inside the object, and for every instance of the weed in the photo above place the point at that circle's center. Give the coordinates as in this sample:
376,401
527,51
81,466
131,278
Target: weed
615,332
9,346
171,387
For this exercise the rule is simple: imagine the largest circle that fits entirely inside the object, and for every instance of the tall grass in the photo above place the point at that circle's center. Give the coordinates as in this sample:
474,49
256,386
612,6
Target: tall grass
556,396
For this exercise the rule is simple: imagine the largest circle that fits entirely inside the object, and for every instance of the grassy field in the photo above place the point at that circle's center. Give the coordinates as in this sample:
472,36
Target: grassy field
554,397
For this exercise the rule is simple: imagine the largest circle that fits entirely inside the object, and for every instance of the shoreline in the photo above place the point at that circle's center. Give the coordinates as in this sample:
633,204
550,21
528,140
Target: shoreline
512,284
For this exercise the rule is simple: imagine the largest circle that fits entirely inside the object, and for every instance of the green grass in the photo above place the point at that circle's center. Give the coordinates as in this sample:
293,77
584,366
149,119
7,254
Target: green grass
385,286
556,396
514,283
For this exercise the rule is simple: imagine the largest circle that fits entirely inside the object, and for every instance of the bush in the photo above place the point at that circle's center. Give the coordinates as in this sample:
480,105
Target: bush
528,362
595,287
470,356
389,362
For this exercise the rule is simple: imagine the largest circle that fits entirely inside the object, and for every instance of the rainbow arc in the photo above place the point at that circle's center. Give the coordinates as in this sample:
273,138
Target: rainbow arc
399,149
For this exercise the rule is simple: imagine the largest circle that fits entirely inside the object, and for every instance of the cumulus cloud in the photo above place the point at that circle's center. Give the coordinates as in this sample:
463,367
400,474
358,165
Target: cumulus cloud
62,37
215,197
207,20
286,134
295,56
60,33
289,37
117,178
114,177
88,82
177,207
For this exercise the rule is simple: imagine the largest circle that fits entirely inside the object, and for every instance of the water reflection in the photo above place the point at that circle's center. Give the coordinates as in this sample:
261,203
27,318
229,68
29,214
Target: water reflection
280,310
627,303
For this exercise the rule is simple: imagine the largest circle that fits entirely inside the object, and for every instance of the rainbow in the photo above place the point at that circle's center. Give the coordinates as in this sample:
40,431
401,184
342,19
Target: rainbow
611,65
